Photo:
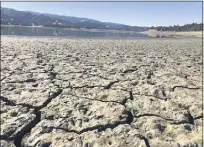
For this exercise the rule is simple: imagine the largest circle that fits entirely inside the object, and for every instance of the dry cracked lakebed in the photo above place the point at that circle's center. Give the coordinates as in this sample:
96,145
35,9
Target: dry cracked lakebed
101,92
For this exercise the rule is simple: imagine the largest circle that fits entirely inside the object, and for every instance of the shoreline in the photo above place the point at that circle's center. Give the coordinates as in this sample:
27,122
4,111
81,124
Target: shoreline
112,38
92,33
157,34
73,29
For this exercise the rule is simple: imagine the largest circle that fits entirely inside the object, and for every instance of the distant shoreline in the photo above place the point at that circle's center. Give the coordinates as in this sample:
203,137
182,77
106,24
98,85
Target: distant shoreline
75,29
173,34
53,30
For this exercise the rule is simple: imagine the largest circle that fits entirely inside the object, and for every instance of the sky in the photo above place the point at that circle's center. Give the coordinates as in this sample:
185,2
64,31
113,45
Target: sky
129,13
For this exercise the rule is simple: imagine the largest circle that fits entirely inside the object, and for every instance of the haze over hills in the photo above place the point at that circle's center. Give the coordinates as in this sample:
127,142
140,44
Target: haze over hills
28,18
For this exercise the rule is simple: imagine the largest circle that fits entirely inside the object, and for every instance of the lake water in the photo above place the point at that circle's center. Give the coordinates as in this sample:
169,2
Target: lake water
61,32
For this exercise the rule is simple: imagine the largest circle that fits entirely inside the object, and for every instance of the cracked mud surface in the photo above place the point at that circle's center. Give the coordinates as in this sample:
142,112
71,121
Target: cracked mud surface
100,92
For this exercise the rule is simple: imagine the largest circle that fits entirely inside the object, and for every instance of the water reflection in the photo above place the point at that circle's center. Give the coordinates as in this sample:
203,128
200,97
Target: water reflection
40,31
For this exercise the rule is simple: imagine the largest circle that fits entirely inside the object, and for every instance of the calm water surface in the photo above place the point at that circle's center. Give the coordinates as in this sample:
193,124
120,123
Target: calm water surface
60,32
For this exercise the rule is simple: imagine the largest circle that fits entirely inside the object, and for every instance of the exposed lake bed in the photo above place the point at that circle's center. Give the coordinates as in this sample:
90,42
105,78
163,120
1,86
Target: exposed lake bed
101,92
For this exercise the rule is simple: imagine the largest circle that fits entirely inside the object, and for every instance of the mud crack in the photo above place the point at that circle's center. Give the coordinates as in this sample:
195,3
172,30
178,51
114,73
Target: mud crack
19,136
23,81
193,88
190,118
99,128
144,138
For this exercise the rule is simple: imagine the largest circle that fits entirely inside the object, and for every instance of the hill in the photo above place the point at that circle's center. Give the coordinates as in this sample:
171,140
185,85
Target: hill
28,18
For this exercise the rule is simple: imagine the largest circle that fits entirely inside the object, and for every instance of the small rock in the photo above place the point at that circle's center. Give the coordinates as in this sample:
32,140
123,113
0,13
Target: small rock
188,127
77,59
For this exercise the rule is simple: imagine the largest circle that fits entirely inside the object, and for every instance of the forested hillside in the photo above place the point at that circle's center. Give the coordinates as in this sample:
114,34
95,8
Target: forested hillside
187,27
28,18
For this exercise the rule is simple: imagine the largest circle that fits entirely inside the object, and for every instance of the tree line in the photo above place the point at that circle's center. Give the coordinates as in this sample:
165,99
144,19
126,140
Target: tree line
187,27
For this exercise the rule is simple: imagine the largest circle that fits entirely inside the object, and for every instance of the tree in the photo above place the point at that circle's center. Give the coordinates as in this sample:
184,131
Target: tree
186,27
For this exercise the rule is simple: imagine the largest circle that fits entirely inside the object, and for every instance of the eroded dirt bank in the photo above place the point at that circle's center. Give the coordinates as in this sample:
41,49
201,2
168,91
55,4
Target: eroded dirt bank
100,92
